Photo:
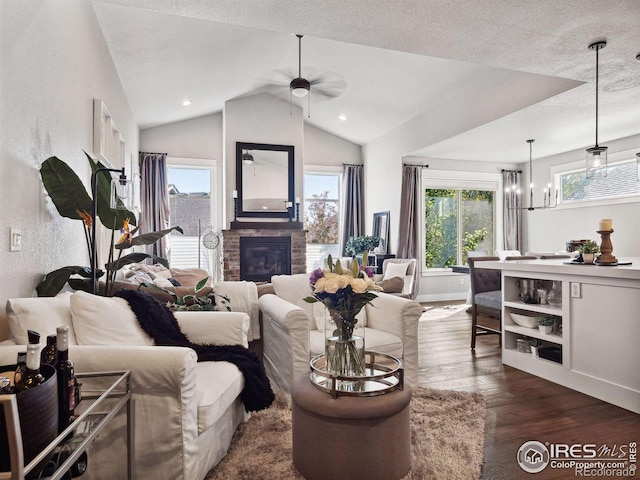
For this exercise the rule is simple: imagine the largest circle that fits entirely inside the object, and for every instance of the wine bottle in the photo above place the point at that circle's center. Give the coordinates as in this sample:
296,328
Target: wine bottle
33,336
21,368
50,352
32,376
66,380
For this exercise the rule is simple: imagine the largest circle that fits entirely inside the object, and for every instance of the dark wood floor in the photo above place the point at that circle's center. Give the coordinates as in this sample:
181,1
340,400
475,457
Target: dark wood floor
520,407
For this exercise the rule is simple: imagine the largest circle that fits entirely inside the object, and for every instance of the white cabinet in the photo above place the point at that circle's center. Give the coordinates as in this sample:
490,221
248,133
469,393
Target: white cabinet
553,348
598,327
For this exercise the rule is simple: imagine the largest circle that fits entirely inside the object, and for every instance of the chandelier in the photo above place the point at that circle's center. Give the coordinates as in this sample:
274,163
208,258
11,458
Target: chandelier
546,203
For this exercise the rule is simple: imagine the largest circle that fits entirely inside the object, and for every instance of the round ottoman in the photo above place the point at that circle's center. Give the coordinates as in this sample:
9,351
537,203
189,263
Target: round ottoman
350,437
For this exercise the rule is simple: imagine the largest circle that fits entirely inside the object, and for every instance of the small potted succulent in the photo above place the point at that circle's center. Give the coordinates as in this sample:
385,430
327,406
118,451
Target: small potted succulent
588,251
545,324
535,344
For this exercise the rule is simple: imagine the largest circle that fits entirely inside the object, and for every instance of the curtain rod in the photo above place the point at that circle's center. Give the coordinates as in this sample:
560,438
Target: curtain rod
411,165
153,153
512,171
353,165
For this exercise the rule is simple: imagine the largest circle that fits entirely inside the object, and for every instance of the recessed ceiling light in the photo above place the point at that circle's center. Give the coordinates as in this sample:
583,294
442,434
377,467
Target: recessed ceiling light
186,103
342,117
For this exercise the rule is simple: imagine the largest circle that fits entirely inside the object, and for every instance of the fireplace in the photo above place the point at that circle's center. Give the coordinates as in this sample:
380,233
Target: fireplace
272,233
262,257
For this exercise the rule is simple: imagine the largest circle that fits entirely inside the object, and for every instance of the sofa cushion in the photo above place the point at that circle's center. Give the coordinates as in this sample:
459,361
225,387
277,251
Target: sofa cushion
42,314
218,384
105,321
294,288
395,270
392,285
190,276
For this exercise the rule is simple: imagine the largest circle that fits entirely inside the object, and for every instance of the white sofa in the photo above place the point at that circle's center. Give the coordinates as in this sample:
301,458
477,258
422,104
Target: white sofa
293,330
185,412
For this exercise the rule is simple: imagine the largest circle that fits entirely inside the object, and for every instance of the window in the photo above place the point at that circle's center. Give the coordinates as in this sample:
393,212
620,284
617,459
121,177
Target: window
576,187
191,207
321,216
457,221
460,214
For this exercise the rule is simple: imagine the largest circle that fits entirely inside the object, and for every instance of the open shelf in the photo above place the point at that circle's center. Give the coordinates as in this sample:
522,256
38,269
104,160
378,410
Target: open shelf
534,307
534,333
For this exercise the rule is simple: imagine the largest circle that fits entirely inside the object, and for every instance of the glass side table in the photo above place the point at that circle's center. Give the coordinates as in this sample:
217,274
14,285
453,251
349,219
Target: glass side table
97,408
383,374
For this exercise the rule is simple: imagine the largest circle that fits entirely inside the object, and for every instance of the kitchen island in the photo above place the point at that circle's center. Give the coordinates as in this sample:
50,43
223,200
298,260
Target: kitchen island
594,346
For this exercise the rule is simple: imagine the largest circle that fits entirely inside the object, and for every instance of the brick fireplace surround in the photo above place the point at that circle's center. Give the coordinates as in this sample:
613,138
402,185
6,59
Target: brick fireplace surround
231,244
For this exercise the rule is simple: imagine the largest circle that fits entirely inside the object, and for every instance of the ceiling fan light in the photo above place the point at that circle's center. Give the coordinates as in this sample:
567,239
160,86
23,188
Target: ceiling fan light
247,158
300,87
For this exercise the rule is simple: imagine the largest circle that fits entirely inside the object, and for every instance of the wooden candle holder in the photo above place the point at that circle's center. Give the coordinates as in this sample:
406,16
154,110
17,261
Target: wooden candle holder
606,248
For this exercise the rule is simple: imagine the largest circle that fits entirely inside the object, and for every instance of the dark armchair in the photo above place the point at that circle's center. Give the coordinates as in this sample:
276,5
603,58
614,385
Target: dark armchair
486,297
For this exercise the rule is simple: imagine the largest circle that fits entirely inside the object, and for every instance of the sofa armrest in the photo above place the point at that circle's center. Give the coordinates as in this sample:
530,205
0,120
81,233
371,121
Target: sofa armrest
164,401
217,328
399,316
285,340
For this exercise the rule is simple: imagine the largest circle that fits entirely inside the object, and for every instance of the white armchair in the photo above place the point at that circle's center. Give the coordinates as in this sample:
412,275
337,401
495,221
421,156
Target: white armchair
291,337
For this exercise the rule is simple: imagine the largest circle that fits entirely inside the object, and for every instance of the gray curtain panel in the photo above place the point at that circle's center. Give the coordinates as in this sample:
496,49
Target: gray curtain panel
154,200
410,218
352,204
512,210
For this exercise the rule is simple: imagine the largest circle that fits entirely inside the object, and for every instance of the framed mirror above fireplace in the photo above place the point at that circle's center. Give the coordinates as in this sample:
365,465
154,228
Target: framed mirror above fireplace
265,180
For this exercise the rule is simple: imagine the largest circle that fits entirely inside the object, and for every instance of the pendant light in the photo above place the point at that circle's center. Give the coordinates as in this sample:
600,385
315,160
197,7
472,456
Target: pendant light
597,155
547,190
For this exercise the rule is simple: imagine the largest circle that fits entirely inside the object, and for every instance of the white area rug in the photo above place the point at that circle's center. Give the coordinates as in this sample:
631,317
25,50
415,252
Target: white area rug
442,312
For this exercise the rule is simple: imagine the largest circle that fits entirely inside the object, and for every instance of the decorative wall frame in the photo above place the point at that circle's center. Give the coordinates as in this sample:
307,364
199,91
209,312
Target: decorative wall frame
108,143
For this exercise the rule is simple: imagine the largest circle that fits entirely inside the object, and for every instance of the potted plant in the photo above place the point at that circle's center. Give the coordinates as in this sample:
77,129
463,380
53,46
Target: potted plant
588,251
535,344
69,196
358,245
545,324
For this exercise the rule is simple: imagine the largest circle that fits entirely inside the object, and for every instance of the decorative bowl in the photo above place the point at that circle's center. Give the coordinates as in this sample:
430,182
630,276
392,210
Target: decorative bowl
528,321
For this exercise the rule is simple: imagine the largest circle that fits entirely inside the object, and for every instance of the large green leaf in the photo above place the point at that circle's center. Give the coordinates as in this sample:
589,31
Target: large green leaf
53,282
65,188
106,214
147,238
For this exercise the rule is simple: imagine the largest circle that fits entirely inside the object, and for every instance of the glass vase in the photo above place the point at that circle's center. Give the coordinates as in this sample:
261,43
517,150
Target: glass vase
554,298
344,345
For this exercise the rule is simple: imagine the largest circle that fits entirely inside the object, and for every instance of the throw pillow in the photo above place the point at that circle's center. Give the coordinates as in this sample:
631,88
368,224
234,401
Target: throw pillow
42,314
392,285
395,270
105,321
190,276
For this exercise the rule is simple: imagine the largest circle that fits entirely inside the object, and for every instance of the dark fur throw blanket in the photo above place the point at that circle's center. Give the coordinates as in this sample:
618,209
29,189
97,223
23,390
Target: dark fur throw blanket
160,324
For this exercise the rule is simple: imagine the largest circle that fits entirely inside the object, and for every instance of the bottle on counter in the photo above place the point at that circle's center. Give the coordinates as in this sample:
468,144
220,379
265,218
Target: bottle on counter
33,336
66,380
21,369
50,352
32,376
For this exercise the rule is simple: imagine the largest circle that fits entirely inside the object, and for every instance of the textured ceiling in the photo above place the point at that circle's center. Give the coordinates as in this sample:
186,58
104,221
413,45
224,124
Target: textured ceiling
392,62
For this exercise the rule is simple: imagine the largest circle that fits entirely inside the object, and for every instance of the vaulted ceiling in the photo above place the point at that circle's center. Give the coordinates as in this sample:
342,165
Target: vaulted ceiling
386,63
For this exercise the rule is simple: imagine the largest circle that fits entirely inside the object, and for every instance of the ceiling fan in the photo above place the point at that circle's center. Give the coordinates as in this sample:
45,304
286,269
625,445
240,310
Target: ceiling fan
316,85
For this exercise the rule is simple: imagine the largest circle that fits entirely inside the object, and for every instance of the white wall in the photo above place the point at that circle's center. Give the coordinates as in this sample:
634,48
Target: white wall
54,63
194,138
548,230
323,148
199,138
